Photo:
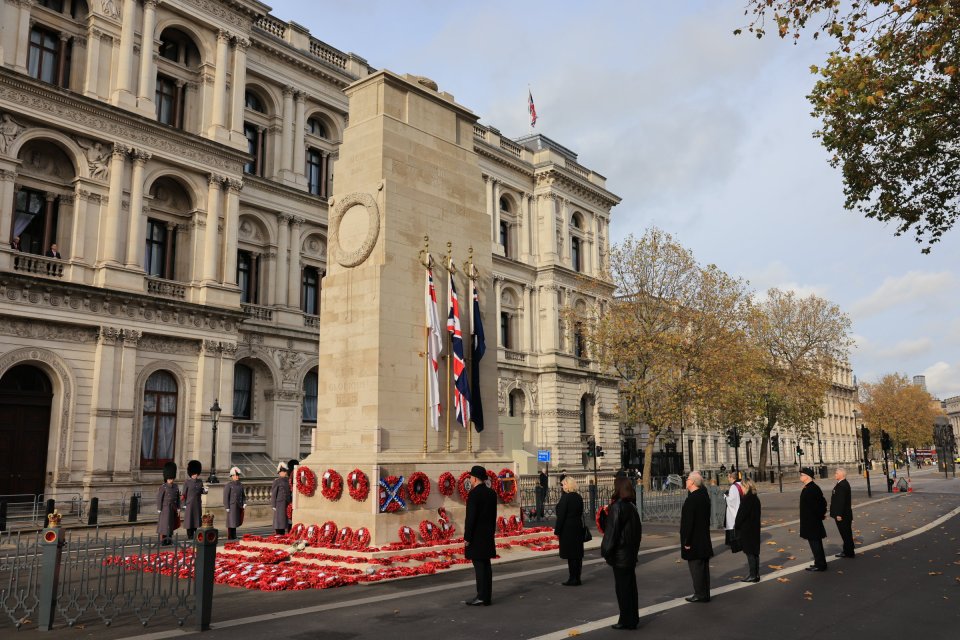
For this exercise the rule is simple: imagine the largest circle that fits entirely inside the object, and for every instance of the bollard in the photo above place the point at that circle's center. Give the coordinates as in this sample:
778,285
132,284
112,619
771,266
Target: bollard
204,559
3,515
134,508
51,549
51,507
94,511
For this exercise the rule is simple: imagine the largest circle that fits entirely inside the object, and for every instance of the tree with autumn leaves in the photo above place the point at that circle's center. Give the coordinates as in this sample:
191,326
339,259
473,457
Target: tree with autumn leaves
888,98
688,343
902,409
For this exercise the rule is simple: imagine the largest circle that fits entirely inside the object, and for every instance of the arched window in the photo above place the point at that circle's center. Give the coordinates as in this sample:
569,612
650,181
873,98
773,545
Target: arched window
253,129
316,127
310,291
579,342
575,259
505,205
178,59
159,427
310,386
505,237
515,408
253,102
248,276
316,176
242,391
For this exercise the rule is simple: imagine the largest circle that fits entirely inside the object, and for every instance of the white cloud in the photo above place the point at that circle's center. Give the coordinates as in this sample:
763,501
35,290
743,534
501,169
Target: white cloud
943,379
906,349
912,286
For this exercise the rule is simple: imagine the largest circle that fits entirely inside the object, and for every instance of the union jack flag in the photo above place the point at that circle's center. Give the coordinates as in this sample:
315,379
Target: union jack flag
531,108
461,391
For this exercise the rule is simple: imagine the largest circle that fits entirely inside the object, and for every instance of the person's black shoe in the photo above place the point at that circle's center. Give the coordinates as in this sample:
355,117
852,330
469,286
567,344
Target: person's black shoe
751,579
844,555
623,626
571,583
696,599
816,569
476,602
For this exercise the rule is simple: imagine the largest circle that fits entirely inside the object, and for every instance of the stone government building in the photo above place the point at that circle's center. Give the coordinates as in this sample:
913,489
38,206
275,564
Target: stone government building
184,180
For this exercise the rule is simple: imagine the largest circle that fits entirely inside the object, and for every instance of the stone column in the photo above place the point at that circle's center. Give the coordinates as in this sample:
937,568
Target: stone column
238,82
6,205
92,80
293,285
144,95
551,332
80,202
212,232
547,233
496,212
231,223
525,226
497,291
124,91
564,248
286,131
169,240
488,184
282,249
198,242
121,444
299,145
536,340
219,85
527,329
110,228
48,238
137,229
21,36
105,372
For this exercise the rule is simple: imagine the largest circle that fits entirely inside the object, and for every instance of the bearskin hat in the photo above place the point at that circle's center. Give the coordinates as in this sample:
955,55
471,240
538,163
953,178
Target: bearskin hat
170,471
194,467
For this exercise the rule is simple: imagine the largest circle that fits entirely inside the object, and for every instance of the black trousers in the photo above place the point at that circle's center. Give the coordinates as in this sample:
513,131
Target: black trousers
484,579
819,557
231,533
700,572
625,584
753,564
845,527
575,565
280,532
190,533
540,495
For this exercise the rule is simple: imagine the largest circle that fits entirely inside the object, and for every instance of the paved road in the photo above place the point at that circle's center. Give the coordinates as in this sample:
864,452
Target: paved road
886,591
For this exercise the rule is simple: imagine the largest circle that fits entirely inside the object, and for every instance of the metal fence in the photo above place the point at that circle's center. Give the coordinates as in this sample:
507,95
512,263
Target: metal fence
54,579
30,510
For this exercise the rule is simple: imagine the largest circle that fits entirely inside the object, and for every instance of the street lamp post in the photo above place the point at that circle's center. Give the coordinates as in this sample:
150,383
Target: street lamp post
215,413
819,448
670,440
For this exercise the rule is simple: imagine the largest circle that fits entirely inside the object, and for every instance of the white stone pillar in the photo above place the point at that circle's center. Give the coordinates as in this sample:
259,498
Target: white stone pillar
293,284
282,250
496,212
497,291
219,86
535,321
21,37
526,227
564,251
299,144
6,205
488,183
286,131
91,83
212,232
238,82
124,92
231,224
137,229
144,95
109,250
527,318
81,201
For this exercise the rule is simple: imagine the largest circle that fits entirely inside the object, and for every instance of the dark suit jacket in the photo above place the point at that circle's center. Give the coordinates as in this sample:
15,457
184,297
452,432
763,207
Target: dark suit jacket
53,254
813,509
569,527
747,524
840,502
695,526
481,523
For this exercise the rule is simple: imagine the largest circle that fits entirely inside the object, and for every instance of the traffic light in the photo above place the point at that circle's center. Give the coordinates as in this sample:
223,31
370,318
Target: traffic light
799,451
591,448
885,443
733,438
775,443
600,452
865,437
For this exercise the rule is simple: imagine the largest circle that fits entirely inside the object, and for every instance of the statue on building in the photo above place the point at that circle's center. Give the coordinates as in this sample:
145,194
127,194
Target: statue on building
10,130
98,158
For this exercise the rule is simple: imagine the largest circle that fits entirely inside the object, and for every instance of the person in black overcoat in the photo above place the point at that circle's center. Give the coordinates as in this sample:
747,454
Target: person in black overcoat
540,493
168,503
479,528
747,528
695,545
280,497
569,529
813,511
841,510
620,545
234,501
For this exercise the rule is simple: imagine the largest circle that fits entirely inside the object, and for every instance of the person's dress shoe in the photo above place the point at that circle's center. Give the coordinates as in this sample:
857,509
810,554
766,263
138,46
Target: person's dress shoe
476,602
751,579
571,583
844,555
815,569
696,599
623,626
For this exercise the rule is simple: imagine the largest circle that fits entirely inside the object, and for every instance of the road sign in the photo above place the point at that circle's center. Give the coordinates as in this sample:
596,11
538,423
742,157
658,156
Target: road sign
543,455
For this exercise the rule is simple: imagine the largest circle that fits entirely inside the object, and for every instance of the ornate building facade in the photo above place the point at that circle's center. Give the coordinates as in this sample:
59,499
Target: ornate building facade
163,209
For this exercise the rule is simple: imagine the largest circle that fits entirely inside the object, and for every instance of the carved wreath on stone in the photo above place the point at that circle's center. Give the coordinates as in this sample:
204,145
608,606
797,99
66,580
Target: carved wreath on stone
357,256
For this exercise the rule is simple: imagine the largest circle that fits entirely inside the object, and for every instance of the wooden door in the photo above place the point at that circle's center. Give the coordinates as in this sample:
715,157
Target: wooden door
25,399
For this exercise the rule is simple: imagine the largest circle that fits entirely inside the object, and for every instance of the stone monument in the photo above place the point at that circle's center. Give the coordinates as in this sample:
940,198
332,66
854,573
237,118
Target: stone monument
406,170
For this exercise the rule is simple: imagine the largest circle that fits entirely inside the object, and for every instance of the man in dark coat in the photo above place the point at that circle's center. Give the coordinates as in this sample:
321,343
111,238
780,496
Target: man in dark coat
168,503
478,531
234,501
280,497
193,489
695,545
841,510
813,510
540,491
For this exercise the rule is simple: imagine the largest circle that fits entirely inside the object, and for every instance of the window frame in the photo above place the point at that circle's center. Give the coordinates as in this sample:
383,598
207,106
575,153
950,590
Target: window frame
157,463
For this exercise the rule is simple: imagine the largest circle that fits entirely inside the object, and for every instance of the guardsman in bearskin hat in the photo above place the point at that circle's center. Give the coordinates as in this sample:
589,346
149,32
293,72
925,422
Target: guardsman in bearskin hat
168,503
280,497
192,502
234,501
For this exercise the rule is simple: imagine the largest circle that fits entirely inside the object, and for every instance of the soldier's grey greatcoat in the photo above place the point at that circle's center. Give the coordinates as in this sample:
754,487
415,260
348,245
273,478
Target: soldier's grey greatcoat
280,497
193,504
234,501
168,503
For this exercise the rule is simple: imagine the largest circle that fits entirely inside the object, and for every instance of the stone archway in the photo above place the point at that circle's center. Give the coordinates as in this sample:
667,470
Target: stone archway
26,399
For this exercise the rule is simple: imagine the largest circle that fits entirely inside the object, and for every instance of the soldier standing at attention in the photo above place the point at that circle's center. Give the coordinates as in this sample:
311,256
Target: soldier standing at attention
168,504
192,502
234,501
280,497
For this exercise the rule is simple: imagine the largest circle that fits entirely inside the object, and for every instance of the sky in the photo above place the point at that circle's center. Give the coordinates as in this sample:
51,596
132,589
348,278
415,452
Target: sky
704,134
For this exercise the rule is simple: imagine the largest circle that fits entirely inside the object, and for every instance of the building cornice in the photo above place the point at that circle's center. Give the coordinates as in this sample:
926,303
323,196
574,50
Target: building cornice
485,149
302,60
555,176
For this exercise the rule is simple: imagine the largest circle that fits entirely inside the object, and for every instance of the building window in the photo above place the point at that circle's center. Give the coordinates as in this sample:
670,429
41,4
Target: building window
161,249
575,253
310,291
315,174
48,58
505,237
253,102
579,342
583,414
316,127
515,406
169,98
310,386
255,147
54,5
35,220
248,277
242,391
505,337
159,427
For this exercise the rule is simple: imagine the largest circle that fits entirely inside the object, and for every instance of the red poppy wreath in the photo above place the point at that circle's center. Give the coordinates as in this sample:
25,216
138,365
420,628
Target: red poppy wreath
331,485
358,485
306,481
446,484
418,487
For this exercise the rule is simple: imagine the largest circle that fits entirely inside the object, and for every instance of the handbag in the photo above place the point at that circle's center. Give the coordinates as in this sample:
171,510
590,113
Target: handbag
587,536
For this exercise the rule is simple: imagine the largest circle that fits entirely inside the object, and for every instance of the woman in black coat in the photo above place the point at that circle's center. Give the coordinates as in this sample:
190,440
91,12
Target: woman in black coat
620,546
569,529
747,528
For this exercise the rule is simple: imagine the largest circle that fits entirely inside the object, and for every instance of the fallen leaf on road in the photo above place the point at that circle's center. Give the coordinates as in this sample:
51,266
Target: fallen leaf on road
573,633
772,542
840,572
775,567
791,557
783,579
808,593
935,573
781,550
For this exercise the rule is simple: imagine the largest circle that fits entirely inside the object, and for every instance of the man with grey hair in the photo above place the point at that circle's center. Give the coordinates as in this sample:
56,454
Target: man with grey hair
695,545
841,510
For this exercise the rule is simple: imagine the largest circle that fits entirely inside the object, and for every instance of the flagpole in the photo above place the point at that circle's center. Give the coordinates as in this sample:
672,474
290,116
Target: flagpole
425,261
450,345
471,274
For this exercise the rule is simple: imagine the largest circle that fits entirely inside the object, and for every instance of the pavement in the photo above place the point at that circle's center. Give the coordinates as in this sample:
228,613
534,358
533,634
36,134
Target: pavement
905,580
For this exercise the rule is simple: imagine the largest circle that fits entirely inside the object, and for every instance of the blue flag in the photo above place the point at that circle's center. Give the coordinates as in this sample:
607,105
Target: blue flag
477,348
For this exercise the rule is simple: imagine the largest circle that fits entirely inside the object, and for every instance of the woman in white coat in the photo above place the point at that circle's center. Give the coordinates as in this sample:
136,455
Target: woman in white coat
734,493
